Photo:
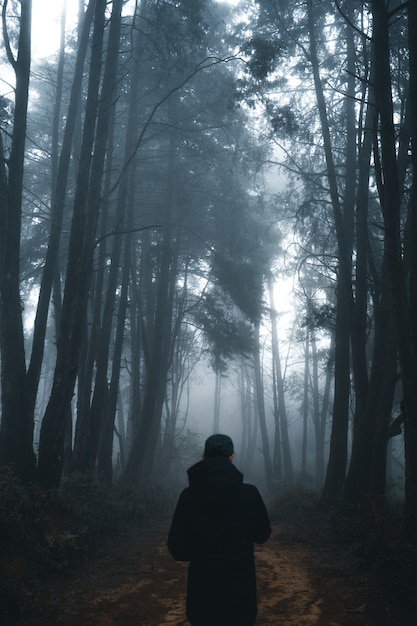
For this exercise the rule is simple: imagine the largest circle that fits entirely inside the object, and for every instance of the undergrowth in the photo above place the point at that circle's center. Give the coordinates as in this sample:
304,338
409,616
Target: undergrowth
381,545
44,533
294,503
378,544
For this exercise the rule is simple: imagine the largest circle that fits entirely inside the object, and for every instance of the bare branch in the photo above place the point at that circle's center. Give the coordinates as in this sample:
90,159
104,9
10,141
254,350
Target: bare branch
205,64
6,37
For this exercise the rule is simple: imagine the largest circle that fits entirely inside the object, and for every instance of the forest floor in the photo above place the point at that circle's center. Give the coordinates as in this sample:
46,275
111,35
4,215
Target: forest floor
306,577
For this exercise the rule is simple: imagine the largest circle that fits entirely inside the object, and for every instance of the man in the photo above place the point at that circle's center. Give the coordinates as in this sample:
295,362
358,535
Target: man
216,522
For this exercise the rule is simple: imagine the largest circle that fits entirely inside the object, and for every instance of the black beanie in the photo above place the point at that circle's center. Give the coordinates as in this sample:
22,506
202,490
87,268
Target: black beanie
218,445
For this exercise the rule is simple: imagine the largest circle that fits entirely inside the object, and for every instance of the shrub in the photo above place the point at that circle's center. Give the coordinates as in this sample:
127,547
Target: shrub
292,502
45,532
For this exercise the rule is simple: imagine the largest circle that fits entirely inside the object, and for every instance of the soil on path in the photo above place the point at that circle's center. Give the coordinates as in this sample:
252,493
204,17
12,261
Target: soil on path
134,581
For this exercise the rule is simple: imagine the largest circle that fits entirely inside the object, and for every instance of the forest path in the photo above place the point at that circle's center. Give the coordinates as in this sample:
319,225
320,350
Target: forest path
302,581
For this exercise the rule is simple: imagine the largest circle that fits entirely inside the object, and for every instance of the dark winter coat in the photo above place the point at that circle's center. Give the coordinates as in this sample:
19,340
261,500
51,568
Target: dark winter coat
216,522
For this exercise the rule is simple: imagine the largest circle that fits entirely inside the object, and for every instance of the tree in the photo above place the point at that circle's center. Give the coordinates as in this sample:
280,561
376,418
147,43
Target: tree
402,300
60,167
185,198
281,425
242,266
16,430
327,161
83,231
338,444
356,489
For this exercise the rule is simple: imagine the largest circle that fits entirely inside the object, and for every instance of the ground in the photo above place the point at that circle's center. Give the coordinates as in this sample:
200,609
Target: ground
304,579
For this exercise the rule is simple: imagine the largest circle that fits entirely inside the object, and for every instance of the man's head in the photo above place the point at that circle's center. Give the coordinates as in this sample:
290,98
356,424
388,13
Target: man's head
218,445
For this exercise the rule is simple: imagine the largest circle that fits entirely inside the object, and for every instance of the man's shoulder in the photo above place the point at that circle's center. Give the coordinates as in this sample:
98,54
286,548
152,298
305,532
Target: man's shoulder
250,491
185,492
250,488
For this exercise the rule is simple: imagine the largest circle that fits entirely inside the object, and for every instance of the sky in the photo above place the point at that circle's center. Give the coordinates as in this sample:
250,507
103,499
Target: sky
46,15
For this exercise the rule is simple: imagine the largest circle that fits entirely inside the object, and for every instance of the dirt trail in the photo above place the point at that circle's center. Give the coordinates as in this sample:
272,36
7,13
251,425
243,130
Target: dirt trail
136,582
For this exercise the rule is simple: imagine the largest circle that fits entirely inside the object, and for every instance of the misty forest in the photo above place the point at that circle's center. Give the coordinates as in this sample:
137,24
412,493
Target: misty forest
207,217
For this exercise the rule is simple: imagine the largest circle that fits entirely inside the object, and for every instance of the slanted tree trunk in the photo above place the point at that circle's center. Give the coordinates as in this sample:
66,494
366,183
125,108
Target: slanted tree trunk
79,269
80,458
336,467
17,422
99,404
78,275
106,413
59,191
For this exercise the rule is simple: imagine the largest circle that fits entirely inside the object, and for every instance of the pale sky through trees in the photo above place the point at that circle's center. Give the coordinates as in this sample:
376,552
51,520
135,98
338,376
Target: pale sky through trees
46,15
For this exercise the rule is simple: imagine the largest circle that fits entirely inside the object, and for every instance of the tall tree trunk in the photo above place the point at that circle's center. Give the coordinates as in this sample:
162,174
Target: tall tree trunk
260,402
105,447
142,454
370,442
411,415
358,476
318,439
385,362
78,275
390,202
136,342
124,215
59,192
99,403
305,405
178,387
336,467
282,409
158,338
80,458
217,403
17,421
249,423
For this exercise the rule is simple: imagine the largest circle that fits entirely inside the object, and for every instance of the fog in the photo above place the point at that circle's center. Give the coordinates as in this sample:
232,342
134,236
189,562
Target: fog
189,247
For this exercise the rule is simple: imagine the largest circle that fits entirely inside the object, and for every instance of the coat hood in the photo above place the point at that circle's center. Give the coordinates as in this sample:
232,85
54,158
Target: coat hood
215,482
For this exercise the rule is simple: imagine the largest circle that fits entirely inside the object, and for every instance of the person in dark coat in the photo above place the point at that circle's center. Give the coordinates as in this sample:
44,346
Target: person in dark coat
217,520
